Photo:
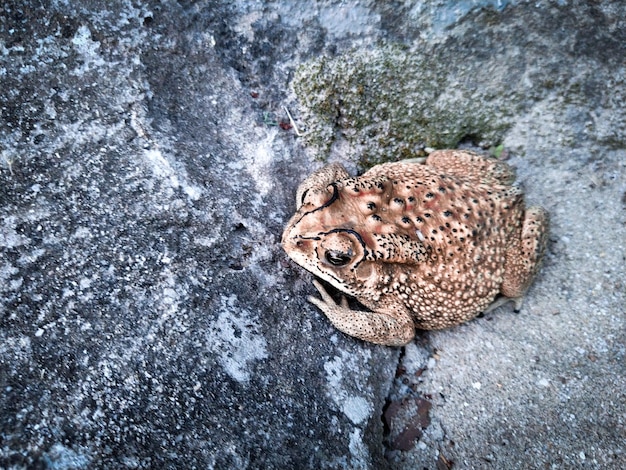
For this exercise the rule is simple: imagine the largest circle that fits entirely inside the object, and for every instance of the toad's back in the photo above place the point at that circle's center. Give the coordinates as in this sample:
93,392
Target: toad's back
463,225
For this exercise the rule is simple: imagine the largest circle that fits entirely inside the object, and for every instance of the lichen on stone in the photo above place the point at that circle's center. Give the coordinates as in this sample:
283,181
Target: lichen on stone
391,102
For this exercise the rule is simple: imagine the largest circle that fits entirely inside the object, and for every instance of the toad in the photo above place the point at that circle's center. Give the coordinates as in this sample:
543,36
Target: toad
423,245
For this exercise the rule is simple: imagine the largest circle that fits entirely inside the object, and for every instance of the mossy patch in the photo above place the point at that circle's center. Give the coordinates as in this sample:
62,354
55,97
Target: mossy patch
391,102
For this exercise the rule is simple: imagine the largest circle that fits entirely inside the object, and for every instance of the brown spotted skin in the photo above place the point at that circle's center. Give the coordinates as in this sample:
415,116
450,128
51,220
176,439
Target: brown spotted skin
421,245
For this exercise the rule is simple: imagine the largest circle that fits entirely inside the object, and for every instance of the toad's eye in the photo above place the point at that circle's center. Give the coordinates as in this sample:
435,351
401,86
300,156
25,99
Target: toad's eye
338,258
339,248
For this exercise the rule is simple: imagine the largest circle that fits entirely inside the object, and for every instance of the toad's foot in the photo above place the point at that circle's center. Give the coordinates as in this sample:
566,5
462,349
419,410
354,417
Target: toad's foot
393,329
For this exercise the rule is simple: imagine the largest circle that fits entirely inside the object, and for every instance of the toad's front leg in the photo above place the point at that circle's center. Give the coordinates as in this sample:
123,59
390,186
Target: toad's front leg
395,328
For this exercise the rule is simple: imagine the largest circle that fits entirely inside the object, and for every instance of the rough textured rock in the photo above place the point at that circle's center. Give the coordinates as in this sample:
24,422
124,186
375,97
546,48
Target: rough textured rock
148,317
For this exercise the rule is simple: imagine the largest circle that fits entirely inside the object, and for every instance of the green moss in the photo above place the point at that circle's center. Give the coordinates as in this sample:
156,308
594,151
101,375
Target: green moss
390,103
497,150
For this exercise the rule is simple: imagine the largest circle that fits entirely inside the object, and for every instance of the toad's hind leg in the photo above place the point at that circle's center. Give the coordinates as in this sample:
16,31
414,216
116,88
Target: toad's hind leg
524,255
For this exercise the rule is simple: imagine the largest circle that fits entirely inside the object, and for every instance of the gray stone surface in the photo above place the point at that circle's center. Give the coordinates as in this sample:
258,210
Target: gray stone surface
148,317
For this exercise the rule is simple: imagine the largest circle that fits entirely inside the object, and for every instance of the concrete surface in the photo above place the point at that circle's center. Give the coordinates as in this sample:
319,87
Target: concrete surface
148,317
